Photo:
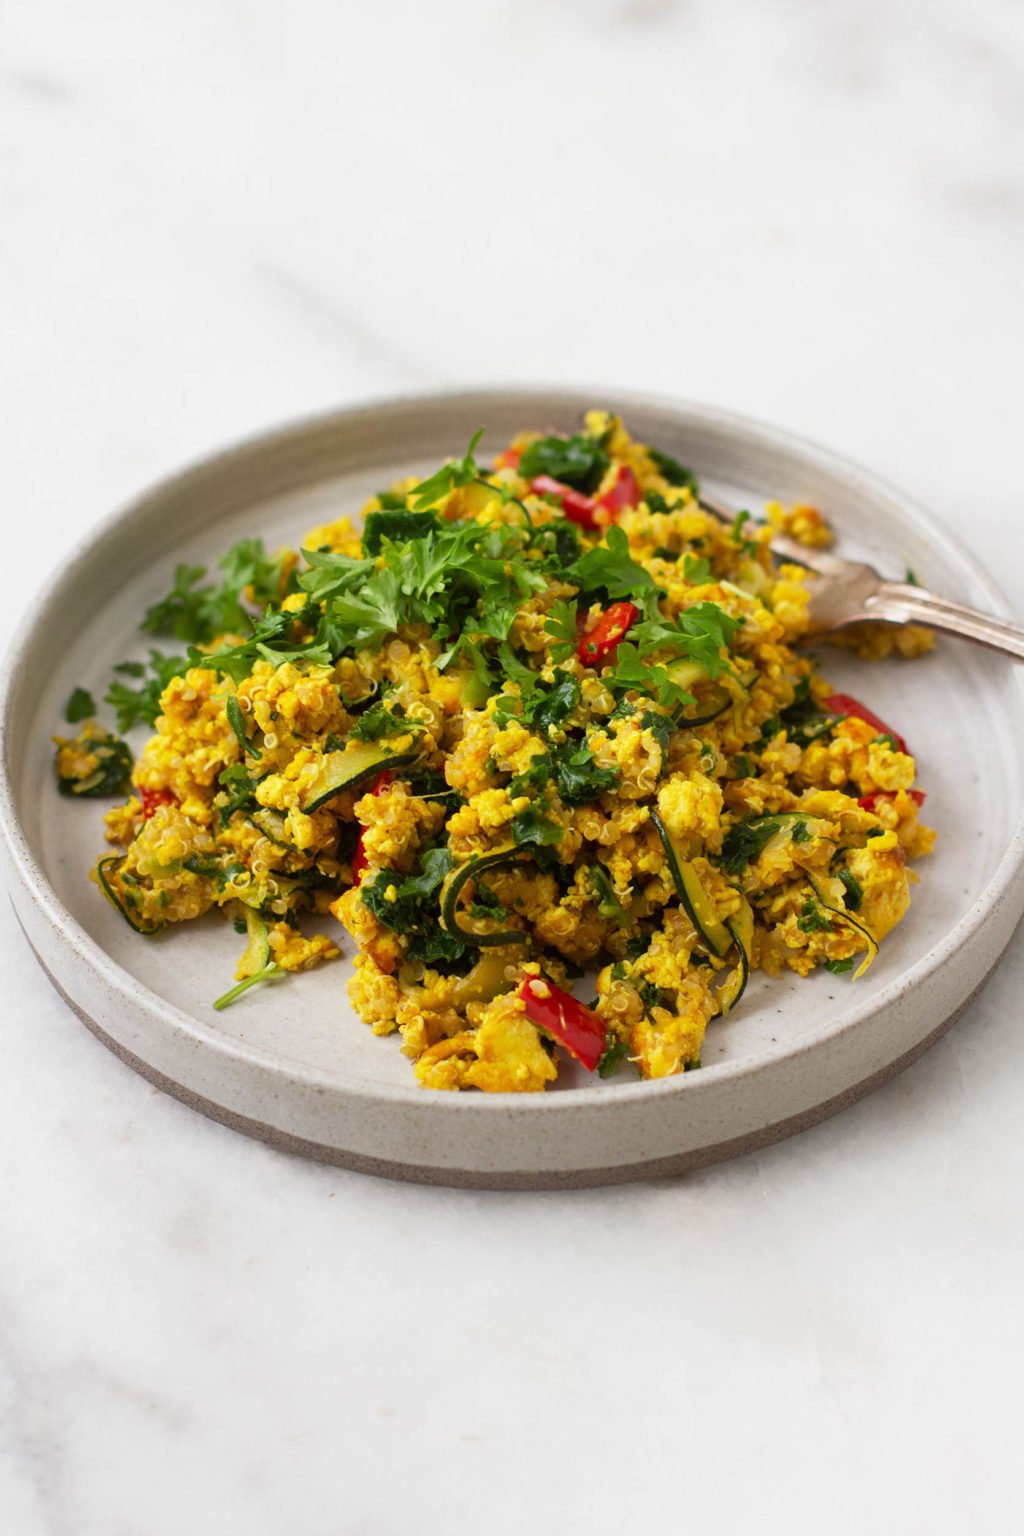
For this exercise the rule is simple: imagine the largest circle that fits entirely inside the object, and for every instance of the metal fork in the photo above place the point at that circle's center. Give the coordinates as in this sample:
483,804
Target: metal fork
850,592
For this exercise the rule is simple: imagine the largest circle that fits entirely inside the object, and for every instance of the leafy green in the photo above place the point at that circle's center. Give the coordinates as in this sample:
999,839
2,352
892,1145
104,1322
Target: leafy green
396,525
532,829
839,967
608,904
80,706
630,672
239,792
615,1053
854,893
414,911
578,461
141,705
561,624
578,778
112,774
199,614
700,633
451,475
813,919
671,470
610,568
743,842
237,722
697,569
379,722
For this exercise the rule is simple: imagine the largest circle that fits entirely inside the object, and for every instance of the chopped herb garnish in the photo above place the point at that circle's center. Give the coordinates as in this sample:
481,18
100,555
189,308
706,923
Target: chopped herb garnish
578,461
839,967
671,470
80,706
854,893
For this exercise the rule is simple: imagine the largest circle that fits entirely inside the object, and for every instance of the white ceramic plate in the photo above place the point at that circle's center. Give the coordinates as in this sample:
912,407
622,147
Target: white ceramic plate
291,1063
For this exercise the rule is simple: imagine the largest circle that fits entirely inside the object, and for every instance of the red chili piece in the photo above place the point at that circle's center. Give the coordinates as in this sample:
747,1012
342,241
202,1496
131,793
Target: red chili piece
558,1014
359,859
868,802
152,798
577,507
600,642
623,492
845,704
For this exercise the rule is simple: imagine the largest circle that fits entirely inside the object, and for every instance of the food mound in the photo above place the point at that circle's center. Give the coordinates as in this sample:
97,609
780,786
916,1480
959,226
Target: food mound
534,721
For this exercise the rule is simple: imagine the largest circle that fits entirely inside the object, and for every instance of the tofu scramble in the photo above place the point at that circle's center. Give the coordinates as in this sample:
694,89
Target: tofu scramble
531,722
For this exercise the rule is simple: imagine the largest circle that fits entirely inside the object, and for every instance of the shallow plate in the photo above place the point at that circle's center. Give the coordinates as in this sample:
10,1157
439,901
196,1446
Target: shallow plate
291,1063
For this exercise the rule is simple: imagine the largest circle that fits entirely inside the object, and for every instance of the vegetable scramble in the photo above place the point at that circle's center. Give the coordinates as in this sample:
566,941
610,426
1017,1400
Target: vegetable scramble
532,721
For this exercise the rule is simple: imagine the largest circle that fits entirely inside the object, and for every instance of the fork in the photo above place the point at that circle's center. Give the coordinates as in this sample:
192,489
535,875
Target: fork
852,592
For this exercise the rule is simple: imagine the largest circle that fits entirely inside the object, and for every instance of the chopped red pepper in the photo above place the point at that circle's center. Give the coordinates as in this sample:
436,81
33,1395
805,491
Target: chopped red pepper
557,1013
844,704
868,802
599,643
623,491
508,458
359,859
153,798
577,507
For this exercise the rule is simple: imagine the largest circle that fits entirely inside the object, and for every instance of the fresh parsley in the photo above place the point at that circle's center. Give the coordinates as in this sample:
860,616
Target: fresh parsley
80,706
578,461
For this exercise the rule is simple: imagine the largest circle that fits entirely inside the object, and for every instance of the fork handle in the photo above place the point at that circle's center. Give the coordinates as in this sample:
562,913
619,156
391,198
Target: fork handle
901,603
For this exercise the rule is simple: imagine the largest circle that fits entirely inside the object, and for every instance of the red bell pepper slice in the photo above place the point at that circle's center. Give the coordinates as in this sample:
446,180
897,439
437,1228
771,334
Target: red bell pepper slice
599,643
623,491
844,704
577,507
153,798
359,859
868,802
508,458
557,1013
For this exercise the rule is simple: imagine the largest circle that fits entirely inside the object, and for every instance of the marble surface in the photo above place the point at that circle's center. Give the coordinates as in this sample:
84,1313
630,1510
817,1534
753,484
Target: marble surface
220,215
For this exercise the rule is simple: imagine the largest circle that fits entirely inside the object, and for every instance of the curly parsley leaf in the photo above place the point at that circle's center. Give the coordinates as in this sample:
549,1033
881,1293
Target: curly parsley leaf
141,705
379,722
561,625
448,477
610,568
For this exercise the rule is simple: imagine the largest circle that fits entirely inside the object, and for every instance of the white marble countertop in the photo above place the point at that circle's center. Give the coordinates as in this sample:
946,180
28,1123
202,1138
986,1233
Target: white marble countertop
217,216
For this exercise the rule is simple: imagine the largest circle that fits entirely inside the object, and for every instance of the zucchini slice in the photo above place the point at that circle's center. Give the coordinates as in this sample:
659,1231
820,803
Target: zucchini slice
344,769
257,954
271,824
741,926
485,981
853,923
695,900
456,880
106,874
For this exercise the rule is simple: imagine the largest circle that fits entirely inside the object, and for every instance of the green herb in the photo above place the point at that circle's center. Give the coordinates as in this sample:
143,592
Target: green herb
112,774
561,625
448,478
700,633
853,889
379,722
268,973
612,1058
839,967
578,461
812,919
630,672
748,546
141,705
671,470
578,779
742,767
199,614
911,579
609,568
80,706
697,569
532,829
650,995
396,526
239,792
889,740
414,911
237,722
660,727
743,842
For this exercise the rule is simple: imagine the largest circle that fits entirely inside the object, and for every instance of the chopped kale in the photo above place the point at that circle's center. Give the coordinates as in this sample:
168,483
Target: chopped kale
379,722
396,525
578,461
813,919
671,470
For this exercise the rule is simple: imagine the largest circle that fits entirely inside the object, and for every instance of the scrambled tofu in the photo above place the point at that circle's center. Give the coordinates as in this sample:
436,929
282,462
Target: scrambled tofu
529,721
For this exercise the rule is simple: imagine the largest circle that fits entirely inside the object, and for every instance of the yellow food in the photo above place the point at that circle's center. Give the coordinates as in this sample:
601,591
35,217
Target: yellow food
523,731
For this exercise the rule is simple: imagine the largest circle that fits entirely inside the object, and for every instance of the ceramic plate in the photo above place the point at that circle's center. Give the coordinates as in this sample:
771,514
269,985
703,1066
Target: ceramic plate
291,1063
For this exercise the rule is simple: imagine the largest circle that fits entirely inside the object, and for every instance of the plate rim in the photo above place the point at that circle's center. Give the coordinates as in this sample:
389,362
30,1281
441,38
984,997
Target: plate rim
578,1099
